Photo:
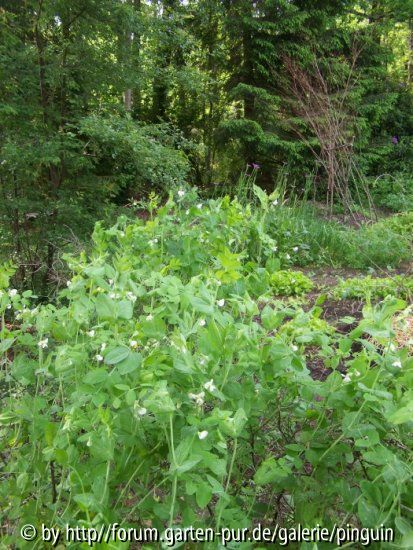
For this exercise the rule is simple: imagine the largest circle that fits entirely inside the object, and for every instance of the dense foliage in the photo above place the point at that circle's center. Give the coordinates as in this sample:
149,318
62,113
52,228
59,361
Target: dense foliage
169,370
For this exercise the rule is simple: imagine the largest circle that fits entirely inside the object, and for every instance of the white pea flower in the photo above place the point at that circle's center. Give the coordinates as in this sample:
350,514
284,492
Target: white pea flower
43,343
197,397
187,212
91,333
68,283
131,296
397,364
210,386
133,343
141,411
111,282
8,306
346,378
357,373
392,347
287,257
199,206
219,283
294,347
103,346
181,193
12,292
202,435
274,248
221,302
275,202
99,358
202,322
149,317
295,249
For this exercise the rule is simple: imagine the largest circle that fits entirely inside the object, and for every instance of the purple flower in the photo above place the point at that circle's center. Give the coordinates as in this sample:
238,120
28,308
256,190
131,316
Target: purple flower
395,140
255,166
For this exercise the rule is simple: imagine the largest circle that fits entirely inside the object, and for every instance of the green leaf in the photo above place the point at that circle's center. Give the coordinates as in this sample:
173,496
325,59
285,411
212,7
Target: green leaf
132,362
22,481
86,501
125,309
105,307
407,540
130,397
368,513
404,527
116,355
6,344
216,486
380,456
233,426
96,376
203,494
261,195
402,415
186,466
50,430
8,418
183,449
159,400
101,446
271,471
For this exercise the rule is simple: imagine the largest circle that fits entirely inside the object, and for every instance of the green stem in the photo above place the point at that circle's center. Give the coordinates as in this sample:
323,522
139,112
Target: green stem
171,513
175,478
231,467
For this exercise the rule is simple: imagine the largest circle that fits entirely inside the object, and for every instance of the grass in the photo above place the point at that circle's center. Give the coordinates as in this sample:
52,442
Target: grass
325,242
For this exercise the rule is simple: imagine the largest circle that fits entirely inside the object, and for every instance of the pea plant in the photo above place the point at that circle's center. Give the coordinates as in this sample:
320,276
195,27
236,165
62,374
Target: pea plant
168,386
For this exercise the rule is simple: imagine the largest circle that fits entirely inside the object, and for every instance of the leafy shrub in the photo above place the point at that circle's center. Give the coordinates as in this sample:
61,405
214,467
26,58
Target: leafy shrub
375,288
307,328
402,224
290,283
134,155
156,391
394,192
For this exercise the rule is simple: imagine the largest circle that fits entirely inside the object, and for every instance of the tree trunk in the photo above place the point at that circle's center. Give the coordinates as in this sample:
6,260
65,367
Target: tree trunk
410,62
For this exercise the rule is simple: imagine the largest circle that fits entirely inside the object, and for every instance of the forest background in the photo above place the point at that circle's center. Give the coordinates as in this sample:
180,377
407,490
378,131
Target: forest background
103,102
